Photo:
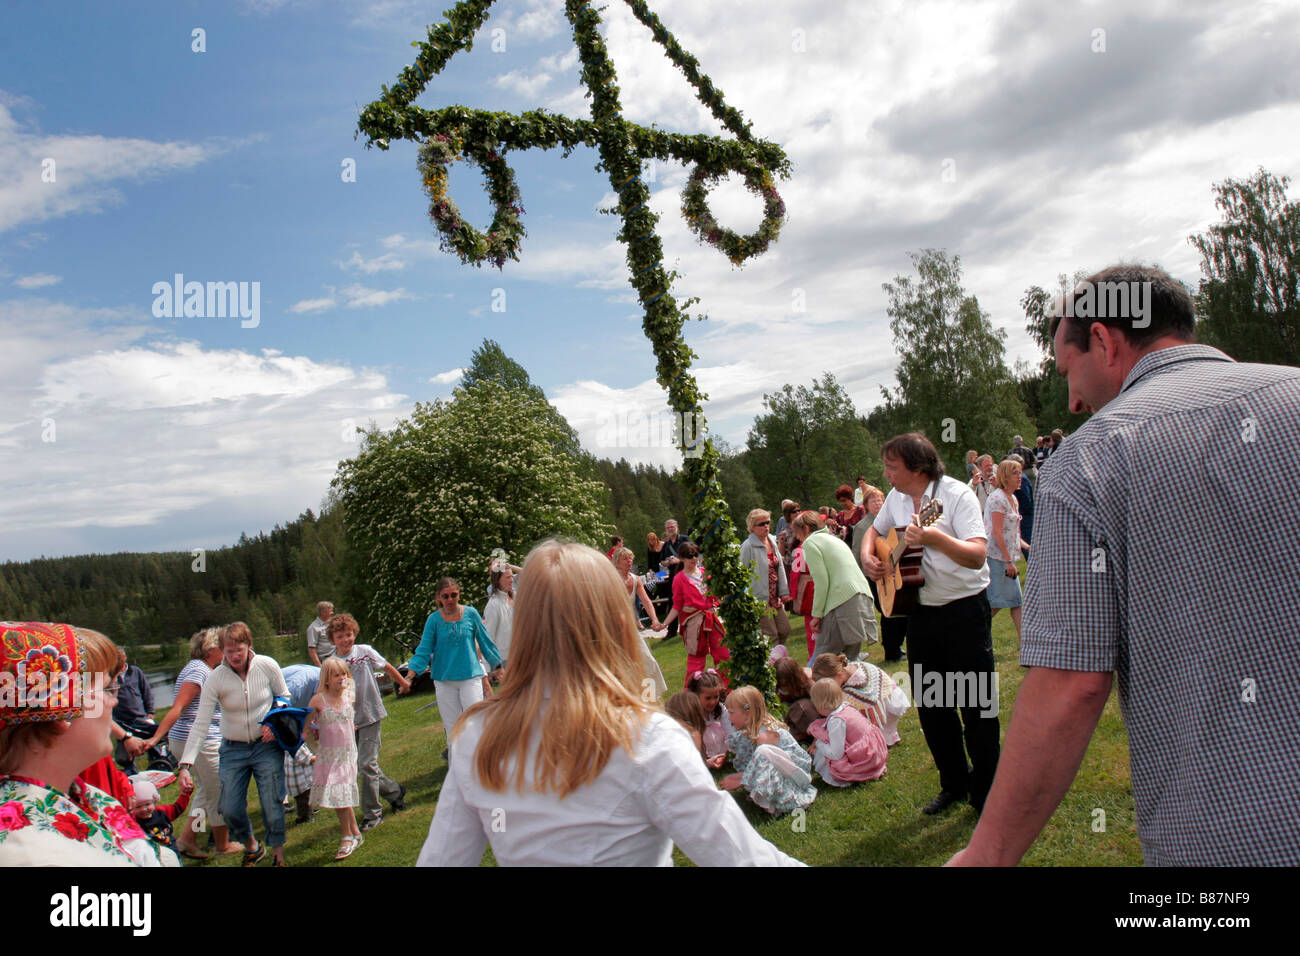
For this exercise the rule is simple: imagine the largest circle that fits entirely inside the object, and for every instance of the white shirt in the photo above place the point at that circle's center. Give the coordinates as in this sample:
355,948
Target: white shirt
498,618
629,816
945,579
837,729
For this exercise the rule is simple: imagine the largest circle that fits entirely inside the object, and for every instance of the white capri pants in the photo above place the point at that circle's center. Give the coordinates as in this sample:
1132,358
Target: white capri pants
455,697
207,785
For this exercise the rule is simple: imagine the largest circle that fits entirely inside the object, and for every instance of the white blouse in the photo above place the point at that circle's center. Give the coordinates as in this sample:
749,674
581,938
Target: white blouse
629,816
498,618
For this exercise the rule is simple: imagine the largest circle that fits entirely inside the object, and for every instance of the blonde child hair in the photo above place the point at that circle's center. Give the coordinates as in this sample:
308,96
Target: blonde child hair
827,695
330,667
749,701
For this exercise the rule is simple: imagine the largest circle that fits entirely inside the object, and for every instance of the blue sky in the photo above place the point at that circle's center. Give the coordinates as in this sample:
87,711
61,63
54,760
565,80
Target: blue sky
995,129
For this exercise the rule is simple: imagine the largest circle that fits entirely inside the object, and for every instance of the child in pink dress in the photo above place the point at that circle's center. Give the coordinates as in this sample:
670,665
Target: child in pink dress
868,688
848,748
334,778
707,686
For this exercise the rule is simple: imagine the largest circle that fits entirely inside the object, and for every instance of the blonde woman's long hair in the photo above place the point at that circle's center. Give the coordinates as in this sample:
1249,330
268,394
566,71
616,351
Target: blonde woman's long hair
574,687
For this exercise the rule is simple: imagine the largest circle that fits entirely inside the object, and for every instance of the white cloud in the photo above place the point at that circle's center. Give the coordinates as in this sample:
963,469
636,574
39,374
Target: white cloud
359,297
528,21
58,175
527,85
148,433
636,423
166,375
38,281
446,378
388,262
312,305
354,296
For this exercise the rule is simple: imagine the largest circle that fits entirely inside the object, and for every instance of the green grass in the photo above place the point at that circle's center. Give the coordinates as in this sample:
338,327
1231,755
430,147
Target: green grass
868,824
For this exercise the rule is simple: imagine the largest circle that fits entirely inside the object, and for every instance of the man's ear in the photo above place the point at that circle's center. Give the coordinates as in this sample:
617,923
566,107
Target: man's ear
1111,341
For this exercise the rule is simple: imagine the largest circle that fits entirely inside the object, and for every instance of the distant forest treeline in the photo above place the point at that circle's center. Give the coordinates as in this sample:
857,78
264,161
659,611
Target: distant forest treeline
271,581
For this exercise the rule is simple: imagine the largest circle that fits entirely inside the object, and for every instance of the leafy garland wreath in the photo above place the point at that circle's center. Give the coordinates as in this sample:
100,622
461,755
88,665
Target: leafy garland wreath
482,137
472,247
699,217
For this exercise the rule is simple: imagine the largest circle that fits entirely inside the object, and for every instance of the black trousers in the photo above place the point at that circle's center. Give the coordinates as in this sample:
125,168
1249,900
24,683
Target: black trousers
893,630
951,647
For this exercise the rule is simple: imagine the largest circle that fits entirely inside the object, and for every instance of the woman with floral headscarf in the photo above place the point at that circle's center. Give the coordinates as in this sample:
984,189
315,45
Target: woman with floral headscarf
57,690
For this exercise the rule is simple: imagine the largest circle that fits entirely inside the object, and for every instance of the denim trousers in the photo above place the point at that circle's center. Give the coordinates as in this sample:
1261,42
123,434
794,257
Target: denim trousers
265,763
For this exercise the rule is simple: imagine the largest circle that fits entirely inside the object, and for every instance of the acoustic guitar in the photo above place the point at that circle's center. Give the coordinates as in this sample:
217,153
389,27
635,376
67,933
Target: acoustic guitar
900,588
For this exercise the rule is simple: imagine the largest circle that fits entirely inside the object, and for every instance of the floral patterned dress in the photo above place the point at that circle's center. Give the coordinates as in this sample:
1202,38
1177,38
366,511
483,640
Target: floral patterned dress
41,826
778,778
334,776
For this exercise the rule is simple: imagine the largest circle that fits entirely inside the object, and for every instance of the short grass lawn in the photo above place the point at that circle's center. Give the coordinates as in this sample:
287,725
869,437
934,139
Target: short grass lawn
865,825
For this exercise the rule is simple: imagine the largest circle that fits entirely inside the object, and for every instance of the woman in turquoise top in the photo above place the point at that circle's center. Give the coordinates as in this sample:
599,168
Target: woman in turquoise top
450,635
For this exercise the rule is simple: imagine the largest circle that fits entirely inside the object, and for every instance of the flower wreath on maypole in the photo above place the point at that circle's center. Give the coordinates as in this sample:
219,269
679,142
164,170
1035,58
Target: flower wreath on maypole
459,237
484,137
737,248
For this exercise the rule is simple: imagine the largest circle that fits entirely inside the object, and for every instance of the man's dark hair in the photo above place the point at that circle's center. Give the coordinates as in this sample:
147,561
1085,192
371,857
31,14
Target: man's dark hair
1168,308
915,452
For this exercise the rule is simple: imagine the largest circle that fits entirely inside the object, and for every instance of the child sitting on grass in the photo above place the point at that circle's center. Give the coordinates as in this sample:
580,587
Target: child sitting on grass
707,686
867,688
774,769
794,687
684,707
849,748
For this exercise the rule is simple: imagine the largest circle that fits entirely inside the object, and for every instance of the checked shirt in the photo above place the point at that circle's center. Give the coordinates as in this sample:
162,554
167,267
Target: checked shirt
1167,549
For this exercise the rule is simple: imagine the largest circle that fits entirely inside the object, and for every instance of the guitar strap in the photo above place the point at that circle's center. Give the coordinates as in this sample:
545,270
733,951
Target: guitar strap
934,491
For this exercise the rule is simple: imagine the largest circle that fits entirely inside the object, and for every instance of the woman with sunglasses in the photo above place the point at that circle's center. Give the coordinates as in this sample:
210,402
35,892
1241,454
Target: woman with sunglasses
447,650
768,581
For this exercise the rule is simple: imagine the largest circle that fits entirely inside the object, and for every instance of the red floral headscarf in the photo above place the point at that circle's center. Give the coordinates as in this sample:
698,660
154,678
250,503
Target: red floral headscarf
39,669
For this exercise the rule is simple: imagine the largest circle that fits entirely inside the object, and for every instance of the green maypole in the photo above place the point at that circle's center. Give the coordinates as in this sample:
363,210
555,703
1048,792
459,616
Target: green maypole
483,137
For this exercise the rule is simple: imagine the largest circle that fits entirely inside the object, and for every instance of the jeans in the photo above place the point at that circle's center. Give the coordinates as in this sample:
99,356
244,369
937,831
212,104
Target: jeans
265,762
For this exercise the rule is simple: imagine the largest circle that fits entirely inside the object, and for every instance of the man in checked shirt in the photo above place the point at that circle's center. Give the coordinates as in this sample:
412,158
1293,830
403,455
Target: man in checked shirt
1138,571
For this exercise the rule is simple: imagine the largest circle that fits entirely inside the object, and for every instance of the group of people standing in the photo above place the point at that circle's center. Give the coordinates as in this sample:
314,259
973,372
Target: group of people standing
570,762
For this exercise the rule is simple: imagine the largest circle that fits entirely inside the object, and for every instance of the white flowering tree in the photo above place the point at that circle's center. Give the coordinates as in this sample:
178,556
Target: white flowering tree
437,494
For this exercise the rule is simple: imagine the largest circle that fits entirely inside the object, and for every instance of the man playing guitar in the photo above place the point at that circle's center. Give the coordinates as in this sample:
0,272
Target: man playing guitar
950,631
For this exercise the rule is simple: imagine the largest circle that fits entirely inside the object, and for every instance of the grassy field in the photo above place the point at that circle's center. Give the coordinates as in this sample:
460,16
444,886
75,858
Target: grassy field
868,824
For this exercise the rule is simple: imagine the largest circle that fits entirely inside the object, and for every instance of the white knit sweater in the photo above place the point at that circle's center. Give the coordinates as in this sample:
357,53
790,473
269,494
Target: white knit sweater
244,702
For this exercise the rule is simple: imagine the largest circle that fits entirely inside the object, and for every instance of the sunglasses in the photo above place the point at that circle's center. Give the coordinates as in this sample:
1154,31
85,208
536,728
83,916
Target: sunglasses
761,524
455,596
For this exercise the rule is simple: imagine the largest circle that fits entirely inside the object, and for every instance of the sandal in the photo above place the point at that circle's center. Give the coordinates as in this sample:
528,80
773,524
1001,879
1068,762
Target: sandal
191,852
346,848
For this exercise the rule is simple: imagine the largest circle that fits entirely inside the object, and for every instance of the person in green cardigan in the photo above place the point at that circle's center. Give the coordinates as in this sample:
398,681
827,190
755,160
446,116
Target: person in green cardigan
844,617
